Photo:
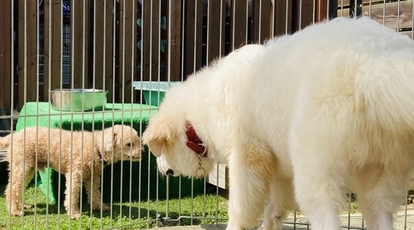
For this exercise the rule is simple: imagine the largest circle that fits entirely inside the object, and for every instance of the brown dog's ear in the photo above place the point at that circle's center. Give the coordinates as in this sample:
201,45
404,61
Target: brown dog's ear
110,139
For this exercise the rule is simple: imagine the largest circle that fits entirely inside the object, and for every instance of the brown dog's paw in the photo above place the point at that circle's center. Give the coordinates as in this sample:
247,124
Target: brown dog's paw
102,207
105,207
75,215
27,206
16,213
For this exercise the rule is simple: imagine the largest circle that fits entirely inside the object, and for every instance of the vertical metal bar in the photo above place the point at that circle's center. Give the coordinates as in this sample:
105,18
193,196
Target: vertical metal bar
273,19
140,114
412,20
37,100
384,11
114,25
133,45
12,99
300,15
25,89
398,15
260,22
314,12
287,17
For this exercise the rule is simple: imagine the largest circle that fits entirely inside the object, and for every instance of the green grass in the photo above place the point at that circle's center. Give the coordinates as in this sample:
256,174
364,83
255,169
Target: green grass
125,215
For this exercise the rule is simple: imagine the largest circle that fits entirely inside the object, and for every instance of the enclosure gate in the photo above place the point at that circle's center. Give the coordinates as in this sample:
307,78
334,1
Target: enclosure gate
117,45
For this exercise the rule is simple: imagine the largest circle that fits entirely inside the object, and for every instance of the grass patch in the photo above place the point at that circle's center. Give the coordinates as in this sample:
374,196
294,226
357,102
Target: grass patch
125,215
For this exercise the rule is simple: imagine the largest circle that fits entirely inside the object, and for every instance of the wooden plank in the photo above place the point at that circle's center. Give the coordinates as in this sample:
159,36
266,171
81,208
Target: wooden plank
109,49
347,3
174,67
5,54
304,12
127,48
145,40
261,21
282,17
190,29
52,46
220,177
80,30
321,10
27,53
215,30
193,32
98,44
238,24
408,33
265,22
155,41
393,18
103,42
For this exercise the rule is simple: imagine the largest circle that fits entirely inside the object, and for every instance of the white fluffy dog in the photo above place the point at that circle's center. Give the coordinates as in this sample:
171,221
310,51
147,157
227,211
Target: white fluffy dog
317,114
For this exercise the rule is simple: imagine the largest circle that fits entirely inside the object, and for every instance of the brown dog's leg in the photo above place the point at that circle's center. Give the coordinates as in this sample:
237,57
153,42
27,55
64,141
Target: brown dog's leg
94,195
73,188
18,180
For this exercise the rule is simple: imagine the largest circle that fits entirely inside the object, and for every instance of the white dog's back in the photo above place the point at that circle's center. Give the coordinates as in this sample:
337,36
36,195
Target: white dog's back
341,96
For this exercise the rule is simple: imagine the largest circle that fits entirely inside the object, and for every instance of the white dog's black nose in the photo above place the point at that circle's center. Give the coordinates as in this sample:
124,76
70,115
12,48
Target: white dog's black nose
170,172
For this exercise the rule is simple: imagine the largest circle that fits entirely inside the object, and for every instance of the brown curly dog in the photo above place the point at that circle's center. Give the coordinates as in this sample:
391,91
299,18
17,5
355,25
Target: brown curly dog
79,155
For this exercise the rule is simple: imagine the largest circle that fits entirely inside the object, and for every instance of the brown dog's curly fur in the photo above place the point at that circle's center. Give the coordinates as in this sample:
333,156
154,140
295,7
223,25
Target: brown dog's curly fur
78,155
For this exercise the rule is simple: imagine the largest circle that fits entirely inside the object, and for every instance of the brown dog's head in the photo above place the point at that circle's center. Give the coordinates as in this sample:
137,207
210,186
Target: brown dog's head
165,135
119,143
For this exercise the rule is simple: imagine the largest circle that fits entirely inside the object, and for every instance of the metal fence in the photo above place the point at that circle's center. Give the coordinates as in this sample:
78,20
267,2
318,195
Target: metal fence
120,45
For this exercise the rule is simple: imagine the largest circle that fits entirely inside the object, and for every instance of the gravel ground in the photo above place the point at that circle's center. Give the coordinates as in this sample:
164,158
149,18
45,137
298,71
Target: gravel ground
355,221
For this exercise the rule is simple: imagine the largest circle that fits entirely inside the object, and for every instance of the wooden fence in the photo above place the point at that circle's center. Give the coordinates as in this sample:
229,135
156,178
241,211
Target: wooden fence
115,42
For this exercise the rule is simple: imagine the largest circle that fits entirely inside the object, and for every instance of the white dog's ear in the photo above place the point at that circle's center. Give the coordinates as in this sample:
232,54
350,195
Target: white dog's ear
159,134
155,148
154,140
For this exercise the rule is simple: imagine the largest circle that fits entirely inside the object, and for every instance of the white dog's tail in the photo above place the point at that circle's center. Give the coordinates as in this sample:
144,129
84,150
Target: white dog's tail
387,90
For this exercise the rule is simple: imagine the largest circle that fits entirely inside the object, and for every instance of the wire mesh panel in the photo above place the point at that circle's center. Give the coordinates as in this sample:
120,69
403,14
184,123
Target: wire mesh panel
116,59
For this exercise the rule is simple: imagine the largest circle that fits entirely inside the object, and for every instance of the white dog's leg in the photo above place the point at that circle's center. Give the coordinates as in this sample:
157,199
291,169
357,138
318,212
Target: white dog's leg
319,196
320,181
377,190
273,217
249,187
281,200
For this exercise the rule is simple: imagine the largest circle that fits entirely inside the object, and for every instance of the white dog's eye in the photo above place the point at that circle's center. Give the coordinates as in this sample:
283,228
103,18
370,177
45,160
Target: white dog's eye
129,144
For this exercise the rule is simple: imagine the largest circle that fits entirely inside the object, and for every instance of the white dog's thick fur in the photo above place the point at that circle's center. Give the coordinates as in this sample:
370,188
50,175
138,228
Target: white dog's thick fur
325,111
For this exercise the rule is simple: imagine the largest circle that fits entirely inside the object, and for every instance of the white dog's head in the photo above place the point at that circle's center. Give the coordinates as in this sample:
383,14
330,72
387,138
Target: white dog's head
119,143
166,137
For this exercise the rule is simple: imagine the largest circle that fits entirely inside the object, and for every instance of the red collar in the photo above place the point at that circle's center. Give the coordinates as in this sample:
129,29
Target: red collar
194,142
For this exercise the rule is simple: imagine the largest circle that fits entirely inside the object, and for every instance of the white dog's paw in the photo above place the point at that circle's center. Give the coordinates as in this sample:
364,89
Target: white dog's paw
273,226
